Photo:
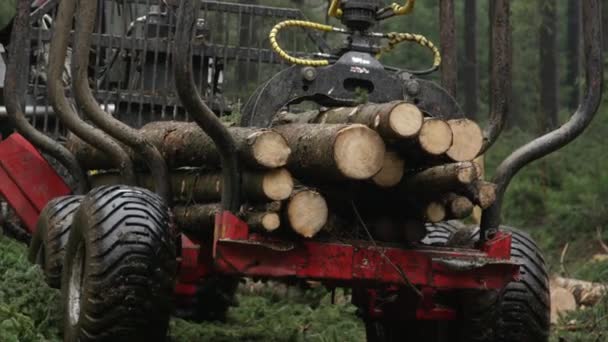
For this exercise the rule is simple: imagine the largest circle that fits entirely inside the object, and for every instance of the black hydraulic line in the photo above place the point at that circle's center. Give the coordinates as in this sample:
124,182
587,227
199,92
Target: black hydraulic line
85,22
16,74
500,70
64,110
194,104
551,142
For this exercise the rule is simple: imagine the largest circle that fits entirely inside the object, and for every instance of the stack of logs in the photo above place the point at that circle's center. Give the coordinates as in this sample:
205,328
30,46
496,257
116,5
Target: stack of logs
384,167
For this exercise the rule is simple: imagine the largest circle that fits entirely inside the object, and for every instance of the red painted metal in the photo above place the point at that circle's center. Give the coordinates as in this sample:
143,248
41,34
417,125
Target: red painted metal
27,181
239,253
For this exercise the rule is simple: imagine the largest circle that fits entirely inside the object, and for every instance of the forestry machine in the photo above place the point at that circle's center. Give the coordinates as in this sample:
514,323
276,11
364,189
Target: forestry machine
149,189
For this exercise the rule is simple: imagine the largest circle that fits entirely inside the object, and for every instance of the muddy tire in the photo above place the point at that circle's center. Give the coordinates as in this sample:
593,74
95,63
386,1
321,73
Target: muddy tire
47,248
120,267
518,313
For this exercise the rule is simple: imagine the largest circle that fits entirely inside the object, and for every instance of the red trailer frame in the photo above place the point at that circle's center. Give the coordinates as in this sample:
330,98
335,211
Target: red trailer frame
239,252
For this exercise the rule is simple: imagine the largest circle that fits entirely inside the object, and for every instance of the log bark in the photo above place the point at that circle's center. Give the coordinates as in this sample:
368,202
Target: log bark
471,66
441,178
200,218
481,193
392,171
393,121
549,104
586,293
333,151
197,219
449,49
188,186
467,140
306,212
185,144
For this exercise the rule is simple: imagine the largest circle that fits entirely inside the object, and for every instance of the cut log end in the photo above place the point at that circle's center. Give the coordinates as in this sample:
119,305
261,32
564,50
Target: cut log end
307,212
271,222
486,194
270,149
435,212
405,120
435,137
562,302
460,207
392,171
266,221
467,140
277,184
358,152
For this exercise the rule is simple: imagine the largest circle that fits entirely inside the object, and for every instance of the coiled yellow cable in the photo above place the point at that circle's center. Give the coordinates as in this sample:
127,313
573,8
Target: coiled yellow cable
397,38
407,8
303,24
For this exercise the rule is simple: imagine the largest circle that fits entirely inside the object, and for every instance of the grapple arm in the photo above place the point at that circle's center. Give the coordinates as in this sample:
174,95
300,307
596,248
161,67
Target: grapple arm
202,114
560,137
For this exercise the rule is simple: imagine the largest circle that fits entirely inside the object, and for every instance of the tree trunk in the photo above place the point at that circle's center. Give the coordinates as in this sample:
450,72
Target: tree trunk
449,51
574,52
273,185
605,25
471,67
393,120
440,178
500,68
333,151
185,144
548,69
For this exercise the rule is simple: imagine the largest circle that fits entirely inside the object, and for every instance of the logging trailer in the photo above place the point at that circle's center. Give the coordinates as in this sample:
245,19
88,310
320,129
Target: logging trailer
149,188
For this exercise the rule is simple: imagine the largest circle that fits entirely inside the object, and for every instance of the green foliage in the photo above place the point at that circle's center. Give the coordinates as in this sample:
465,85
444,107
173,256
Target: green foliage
29,310
275,318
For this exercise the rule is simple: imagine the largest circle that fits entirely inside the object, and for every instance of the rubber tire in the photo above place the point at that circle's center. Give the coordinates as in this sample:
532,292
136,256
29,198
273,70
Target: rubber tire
47,248
123,247
518,313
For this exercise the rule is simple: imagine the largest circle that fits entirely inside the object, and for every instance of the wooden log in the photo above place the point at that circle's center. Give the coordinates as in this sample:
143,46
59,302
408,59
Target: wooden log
467,140
441,178
458,207
393,121
585,292
185,144
198,218
435,137
435,212
264,221
333,151
393,169
194,186
306,212
562,302
481,193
